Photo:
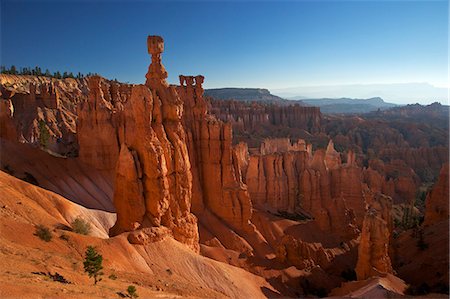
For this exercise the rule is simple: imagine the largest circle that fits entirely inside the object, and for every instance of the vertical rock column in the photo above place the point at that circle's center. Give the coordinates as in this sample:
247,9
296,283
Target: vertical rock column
136,133
217,169
373,251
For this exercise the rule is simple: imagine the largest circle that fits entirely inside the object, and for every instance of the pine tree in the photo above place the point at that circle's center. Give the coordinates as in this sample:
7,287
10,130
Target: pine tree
13,70
93,263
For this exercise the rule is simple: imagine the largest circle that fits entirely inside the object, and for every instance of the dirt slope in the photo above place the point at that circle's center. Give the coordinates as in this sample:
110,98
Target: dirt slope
165,269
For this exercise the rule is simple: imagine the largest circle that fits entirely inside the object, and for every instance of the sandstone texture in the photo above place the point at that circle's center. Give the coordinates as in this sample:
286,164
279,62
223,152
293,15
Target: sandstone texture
437,201
289,178
219,194
42,111
373,251
252,122
135,132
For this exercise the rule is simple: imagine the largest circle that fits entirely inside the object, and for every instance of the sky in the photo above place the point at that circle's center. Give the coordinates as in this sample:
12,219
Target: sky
266,44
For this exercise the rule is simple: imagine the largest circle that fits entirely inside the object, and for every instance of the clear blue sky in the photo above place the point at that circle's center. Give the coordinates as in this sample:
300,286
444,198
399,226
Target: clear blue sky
244,44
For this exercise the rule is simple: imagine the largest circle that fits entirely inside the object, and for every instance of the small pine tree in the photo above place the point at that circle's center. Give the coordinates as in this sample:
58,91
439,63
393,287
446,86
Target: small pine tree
13,70
132,292
93,264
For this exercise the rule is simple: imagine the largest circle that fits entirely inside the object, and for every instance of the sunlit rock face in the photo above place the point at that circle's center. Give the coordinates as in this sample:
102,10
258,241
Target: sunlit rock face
219,194
290,178
137,134
373,251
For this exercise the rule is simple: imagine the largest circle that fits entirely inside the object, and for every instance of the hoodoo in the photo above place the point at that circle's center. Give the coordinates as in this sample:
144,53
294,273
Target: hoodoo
141,141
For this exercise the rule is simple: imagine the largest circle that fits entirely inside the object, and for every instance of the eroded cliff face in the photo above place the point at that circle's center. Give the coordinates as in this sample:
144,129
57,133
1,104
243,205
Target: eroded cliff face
41,111
289,178
136,133
394,178
96,127
373,251
437,201
252,122
220,198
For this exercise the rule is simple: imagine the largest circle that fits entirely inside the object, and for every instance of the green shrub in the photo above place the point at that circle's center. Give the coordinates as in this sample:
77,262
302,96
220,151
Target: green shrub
64,237
132,292
112,276
43,233
81,226
44,134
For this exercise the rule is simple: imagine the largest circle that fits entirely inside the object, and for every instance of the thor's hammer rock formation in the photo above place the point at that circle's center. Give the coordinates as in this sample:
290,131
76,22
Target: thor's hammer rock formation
137,135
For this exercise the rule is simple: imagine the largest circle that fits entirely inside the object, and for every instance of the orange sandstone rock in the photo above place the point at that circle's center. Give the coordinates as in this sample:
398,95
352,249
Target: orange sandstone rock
373,251
294,181
437,201
153,180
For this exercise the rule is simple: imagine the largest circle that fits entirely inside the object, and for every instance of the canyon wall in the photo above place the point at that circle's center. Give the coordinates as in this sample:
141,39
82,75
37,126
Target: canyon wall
289,178
437,201
43,111
219,194
252,121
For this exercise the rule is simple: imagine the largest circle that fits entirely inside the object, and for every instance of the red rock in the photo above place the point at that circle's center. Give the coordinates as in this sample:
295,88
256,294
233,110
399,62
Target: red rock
153,181
373,251
96,132
220,188
41,103
291,180
437,200
7,127
262,119
303,255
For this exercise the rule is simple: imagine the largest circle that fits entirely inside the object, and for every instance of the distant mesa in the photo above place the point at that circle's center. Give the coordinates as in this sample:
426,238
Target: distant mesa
327,105
243,94
348,105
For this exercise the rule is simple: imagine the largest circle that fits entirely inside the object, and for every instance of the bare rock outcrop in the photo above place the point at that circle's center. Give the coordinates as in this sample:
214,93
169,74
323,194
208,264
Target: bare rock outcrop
136,133
220,197
394,178
7,127
373,251
96,128
303,255
265,119
437,201
288,178
44,111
